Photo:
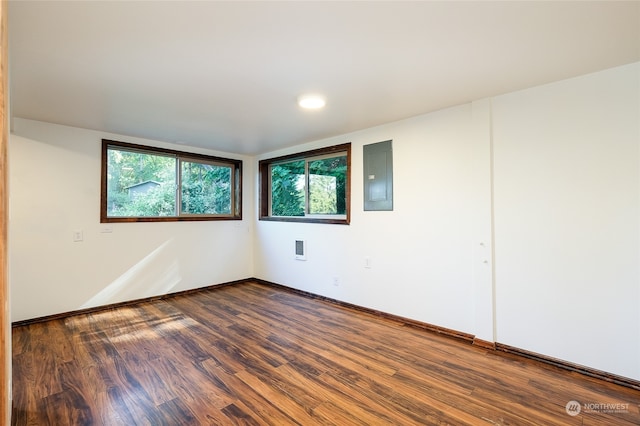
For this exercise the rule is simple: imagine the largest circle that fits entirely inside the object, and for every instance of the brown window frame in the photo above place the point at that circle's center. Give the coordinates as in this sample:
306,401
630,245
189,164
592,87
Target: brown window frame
264,185
236,191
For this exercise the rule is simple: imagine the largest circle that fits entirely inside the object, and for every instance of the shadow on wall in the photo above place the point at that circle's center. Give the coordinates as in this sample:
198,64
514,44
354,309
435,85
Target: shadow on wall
157,273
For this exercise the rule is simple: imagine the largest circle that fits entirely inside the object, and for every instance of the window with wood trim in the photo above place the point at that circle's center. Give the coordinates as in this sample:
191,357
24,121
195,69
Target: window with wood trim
311,186
141,183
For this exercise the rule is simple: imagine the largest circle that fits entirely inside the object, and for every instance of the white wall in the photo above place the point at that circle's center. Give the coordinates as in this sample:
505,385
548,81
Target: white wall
55,189
567,219
421,252
548,179
545,179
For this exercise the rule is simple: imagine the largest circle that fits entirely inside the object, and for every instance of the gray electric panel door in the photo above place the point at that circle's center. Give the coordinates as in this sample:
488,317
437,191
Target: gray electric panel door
378,176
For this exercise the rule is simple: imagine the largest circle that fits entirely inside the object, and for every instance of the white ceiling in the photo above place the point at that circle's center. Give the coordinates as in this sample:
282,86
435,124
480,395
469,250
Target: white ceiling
226,75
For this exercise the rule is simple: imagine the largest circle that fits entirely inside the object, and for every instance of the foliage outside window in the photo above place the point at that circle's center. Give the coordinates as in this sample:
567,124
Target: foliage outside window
151,184
312,186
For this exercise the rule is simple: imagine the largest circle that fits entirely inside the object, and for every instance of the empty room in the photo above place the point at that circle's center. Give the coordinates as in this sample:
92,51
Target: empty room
320,213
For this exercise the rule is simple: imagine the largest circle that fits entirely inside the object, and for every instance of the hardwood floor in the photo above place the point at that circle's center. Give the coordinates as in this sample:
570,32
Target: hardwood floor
258,355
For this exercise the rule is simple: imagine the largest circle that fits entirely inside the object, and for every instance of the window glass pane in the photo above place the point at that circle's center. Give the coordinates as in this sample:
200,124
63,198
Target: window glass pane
327,185
139,184
147,184
205,188
287,188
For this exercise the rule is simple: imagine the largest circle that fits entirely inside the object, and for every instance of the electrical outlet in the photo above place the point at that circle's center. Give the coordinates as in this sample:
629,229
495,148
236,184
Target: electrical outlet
77,236
336,281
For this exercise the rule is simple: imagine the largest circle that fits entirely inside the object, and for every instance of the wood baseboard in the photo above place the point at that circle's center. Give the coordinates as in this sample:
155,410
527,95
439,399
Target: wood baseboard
485,344
565,365
459,335
126,303
396,318
470,338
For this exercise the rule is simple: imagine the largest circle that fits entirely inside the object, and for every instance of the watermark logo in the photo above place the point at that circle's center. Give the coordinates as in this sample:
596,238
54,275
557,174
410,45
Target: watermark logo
573,408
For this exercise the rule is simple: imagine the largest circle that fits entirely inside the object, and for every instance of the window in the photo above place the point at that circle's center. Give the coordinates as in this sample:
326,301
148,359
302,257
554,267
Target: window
312,186
151,184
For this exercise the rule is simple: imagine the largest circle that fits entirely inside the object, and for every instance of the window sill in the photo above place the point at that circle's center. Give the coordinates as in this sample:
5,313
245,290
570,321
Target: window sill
332,221
167,219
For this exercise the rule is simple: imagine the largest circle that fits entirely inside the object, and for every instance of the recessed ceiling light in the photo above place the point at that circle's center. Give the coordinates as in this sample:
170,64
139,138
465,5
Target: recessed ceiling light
311,101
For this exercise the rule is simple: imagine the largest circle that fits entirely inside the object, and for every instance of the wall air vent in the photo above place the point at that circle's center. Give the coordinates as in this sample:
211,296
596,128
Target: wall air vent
301,250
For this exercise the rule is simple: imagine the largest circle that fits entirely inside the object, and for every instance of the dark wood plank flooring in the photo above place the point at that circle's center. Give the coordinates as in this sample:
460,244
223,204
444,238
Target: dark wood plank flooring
252,354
